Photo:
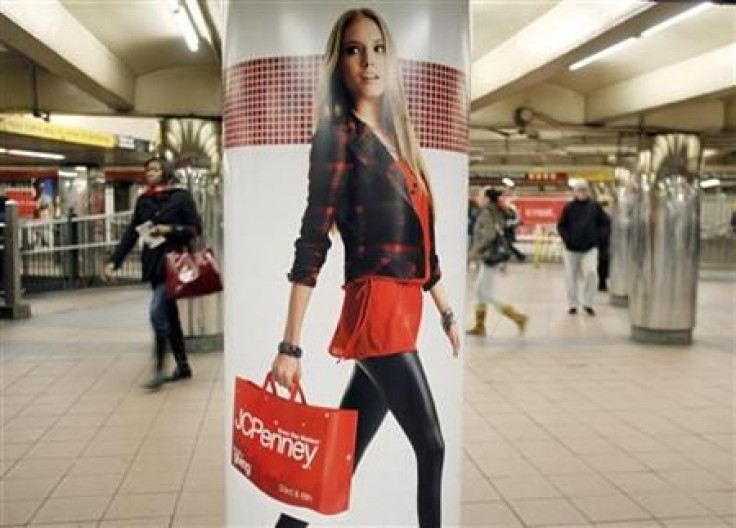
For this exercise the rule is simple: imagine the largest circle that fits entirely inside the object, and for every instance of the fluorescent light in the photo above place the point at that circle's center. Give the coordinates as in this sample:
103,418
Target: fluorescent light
67,174
603,53
195,14
3,150
34,154
187,30
508,182
677,18
711,182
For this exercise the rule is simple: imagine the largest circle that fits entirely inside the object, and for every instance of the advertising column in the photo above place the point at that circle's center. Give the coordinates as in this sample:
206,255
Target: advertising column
346,141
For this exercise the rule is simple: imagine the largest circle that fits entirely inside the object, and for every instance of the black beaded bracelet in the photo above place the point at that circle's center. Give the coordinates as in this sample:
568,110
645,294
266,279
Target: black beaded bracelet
287,349
448,319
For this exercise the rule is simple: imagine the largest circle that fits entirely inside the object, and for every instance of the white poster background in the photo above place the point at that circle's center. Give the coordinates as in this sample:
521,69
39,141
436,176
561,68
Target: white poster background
265,195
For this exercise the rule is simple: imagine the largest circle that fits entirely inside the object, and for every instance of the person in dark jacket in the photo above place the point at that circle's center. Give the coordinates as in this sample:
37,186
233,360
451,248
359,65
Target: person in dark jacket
166,218
582,226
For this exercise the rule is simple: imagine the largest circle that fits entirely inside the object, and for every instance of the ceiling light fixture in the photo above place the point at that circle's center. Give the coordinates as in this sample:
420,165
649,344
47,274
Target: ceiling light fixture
677,18
186,24
710,183
33,154
603,53
699,8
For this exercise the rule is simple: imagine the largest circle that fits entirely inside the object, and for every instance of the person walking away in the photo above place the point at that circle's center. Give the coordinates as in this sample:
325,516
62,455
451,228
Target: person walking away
167,219
488,228
582,226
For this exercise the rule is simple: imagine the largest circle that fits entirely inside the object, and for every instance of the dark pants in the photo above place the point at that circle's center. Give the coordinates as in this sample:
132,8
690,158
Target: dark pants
166,327
604,260
397,383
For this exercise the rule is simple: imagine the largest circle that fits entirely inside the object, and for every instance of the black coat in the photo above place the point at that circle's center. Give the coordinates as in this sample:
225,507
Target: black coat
583,225
173,207
355,184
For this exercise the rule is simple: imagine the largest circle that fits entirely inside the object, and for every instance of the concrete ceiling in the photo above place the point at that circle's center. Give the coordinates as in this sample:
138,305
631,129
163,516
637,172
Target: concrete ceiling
682,78
493,22
141,33
112,56
690,38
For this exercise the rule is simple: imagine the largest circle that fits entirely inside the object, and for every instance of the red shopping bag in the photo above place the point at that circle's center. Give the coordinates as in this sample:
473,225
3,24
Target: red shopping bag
294,452
192,274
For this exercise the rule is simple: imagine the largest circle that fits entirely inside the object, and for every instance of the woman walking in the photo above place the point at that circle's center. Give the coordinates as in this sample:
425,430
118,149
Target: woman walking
368,179
488,232
166,214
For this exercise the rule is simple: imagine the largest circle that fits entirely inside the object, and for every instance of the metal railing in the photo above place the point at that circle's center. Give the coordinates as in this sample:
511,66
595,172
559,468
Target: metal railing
71,253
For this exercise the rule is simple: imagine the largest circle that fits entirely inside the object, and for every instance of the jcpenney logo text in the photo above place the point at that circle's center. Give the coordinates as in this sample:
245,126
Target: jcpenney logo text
284,443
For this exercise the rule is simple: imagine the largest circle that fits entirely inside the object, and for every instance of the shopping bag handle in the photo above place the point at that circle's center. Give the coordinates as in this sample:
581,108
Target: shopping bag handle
270,385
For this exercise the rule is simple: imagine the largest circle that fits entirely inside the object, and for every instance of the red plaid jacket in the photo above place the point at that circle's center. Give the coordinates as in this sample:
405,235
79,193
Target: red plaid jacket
355,183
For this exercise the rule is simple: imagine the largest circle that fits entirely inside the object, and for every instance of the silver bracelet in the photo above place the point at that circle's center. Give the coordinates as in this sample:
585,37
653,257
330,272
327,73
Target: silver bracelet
448,319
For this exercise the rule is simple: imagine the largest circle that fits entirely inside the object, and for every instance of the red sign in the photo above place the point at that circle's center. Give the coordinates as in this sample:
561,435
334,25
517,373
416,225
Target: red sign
539,210
24,197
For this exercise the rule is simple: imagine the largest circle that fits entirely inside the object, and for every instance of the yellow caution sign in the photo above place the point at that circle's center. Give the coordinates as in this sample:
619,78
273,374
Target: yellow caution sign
41,129
603,175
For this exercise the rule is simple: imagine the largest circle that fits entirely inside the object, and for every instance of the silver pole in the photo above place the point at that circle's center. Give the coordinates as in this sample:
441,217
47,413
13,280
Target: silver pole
13,308
666,244
621,216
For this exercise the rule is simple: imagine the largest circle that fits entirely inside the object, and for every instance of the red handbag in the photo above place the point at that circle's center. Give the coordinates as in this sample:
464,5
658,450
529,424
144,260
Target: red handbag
296,453
192,274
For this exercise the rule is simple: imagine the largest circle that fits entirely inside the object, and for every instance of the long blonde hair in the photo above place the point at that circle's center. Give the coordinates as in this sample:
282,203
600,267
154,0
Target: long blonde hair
334,102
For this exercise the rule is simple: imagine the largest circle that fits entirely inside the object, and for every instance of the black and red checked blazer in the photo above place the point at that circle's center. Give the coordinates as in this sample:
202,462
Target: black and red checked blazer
355,183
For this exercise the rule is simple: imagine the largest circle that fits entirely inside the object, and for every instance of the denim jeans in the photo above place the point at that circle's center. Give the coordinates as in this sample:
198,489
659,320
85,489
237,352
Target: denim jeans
160,310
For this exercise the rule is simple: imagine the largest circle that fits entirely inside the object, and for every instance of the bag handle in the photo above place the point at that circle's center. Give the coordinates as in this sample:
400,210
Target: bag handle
270,385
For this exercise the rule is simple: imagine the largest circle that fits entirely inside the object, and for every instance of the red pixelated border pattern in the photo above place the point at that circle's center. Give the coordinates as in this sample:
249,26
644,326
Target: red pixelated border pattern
270,101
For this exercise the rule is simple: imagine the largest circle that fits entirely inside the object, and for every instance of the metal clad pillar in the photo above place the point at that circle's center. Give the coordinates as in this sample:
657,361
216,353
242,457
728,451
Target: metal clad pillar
667,243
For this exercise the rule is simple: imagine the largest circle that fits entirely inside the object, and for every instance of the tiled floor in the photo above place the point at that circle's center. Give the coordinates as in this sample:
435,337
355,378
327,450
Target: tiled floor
573,425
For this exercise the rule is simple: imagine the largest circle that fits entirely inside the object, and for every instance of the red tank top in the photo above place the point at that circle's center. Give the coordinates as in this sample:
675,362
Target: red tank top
381,315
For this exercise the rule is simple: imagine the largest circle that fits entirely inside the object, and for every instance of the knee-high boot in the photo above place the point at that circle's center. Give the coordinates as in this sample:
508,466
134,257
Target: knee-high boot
480,321
517,317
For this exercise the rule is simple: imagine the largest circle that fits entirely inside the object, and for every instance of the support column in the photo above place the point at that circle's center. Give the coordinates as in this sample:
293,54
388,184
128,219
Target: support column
666,245
272,58
13,307
196,146
621,232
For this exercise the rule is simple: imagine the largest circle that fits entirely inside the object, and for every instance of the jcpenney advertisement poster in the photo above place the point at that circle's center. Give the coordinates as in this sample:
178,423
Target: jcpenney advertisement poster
346,135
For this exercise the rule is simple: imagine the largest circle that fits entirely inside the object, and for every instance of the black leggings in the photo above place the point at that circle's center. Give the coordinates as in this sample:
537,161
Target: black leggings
397,383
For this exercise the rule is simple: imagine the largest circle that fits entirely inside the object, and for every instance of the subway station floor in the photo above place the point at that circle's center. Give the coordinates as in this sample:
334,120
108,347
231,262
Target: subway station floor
572,425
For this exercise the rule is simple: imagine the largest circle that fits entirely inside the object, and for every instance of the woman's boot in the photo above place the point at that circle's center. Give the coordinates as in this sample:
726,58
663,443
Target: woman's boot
517,317
158,377
479,329
182,370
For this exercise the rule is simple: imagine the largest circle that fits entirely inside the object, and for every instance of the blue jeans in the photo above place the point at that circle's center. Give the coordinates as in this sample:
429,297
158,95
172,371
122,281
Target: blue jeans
160,310
166,325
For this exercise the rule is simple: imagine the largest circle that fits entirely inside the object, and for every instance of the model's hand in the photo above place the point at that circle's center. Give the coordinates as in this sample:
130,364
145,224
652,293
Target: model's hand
286,370
108,271
454,336
161,230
